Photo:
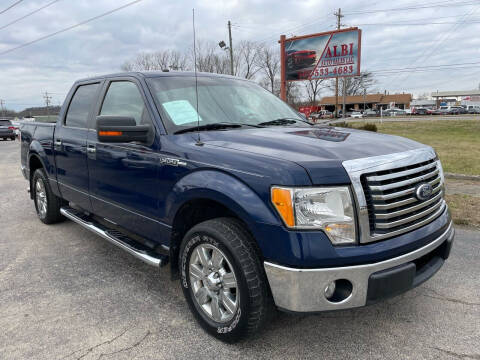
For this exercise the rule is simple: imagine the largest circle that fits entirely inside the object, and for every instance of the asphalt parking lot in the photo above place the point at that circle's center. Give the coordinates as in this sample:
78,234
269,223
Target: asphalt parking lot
68,294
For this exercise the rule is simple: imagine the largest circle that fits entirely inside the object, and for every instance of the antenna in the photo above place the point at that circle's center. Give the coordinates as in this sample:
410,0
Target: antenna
199,142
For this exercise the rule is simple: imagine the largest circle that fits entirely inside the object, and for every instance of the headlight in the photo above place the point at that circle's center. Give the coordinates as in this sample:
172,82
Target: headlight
329,209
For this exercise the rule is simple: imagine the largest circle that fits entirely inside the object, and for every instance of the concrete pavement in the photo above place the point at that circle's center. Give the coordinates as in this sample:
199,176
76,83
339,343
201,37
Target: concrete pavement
67,294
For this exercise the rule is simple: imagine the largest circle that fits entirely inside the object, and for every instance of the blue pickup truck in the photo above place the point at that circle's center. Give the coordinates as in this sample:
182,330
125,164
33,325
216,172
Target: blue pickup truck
253,208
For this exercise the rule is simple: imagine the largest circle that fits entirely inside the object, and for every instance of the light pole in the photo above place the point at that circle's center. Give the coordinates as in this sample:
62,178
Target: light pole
224,46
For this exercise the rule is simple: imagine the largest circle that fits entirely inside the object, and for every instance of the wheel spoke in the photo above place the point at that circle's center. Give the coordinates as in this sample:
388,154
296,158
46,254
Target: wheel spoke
202,295
37,186
228,302
229,281
217,259
202,256
195,272
216,314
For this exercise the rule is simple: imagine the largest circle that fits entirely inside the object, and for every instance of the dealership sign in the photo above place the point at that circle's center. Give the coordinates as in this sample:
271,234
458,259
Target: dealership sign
322,56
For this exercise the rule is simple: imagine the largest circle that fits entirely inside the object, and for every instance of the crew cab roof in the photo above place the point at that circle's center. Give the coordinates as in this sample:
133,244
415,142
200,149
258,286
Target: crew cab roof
153,74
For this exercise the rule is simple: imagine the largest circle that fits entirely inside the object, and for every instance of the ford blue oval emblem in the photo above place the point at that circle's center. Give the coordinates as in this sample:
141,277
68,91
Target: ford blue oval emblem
423,191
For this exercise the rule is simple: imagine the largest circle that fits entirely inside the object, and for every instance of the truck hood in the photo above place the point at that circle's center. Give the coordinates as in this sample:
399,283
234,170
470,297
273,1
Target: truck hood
320,150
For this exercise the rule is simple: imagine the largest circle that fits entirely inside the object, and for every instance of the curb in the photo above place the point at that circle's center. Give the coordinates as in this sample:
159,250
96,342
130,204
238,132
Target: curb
462,176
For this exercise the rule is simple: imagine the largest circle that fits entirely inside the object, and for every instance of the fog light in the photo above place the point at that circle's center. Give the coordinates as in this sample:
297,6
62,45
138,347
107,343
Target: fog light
330,290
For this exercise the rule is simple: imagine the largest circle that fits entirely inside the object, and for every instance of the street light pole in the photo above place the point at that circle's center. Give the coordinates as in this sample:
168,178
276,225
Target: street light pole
231,49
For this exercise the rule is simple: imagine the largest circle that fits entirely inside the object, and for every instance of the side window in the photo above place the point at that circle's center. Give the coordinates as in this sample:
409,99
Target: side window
77,114
124,99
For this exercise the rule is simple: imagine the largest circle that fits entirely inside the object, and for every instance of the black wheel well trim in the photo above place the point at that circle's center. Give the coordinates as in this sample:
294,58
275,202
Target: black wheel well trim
209,209
34,157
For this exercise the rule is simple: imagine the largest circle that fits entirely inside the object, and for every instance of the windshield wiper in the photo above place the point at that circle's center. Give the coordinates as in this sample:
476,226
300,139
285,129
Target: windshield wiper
206,127
281,121
216,126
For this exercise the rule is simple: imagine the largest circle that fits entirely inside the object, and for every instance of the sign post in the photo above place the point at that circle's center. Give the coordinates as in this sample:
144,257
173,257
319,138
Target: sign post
283,80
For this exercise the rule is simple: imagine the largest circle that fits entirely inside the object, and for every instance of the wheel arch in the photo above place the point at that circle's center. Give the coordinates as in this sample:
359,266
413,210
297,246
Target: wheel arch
204,195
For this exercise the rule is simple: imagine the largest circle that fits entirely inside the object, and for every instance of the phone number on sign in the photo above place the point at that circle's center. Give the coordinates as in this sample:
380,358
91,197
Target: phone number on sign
333,71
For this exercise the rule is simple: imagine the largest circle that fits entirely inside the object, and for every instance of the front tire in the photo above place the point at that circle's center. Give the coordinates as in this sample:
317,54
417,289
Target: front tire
46,202
223,279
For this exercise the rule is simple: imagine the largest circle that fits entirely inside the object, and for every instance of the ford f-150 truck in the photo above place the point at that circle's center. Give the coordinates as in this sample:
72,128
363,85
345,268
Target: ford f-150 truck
253,208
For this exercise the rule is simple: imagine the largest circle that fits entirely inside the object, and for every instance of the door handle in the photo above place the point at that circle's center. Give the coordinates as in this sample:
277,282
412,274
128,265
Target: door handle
58,142
91,149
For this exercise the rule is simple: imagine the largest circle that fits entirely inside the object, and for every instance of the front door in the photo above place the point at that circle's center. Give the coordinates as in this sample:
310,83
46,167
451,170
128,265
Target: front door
70,145
123,176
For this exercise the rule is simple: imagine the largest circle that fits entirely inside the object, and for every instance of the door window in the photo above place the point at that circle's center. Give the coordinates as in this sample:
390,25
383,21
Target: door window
77,114
124,99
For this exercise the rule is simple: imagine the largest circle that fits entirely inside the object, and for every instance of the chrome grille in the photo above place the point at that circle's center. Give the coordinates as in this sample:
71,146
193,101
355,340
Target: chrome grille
391,202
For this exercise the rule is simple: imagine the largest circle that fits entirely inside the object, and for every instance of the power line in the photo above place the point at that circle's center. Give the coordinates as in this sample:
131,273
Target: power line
70,27
11,6
29,14
425,6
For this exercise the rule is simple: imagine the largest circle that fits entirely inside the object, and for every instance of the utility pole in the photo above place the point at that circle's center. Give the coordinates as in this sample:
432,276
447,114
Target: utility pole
230,46
339,16
2,102
47,102
344,82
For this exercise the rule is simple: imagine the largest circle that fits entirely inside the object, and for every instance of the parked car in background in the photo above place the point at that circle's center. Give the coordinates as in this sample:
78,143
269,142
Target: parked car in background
7,130
16,126
394,112
356,114
419,111
370,113
408,112
434,112
473,109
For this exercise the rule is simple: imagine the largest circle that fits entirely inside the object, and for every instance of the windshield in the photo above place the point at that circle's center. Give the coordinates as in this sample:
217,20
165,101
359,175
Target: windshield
220,100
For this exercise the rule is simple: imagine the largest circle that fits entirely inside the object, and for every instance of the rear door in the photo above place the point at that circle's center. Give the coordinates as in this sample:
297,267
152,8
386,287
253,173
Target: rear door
70,145
123,176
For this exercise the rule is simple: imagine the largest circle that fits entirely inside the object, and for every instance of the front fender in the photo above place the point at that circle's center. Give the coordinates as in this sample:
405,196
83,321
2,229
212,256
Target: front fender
275,242
223,188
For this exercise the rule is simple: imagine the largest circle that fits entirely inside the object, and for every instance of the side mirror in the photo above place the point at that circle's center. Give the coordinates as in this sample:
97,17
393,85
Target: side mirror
119,129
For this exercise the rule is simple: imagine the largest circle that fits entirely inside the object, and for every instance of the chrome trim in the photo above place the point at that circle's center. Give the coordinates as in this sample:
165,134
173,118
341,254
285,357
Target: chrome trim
403,183
302,290
409,209
389,225
401,193
356,167
402,202
401,173
150,260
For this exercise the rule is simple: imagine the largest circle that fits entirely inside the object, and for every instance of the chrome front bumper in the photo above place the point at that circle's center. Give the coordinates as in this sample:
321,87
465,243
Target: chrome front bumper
302,290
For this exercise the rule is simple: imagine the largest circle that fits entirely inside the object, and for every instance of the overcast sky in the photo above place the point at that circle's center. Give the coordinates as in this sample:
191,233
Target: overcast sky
103,45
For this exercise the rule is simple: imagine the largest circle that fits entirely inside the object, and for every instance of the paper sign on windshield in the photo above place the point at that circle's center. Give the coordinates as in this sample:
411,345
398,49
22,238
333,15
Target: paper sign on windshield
181,112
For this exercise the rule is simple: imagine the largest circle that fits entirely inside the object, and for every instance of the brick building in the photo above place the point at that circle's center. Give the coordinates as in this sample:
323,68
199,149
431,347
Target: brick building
370,101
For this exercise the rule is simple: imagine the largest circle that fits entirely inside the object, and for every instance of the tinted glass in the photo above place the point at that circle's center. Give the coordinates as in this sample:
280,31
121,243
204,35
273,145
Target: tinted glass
220,100
5,123
80,106
124,99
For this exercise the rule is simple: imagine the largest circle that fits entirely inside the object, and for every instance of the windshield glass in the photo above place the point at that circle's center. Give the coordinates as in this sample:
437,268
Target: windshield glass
220,100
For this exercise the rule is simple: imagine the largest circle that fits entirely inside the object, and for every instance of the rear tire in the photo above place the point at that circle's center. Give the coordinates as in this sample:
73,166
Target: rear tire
221,269
47,204
12,138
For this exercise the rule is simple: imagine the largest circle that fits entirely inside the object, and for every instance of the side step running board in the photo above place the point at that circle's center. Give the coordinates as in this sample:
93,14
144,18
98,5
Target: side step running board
115,237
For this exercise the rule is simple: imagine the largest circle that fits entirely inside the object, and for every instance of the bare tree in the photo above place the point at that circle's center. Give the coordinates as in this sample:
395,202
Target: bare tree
159,60
312,89
210,58
355,85
246,59
269,63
